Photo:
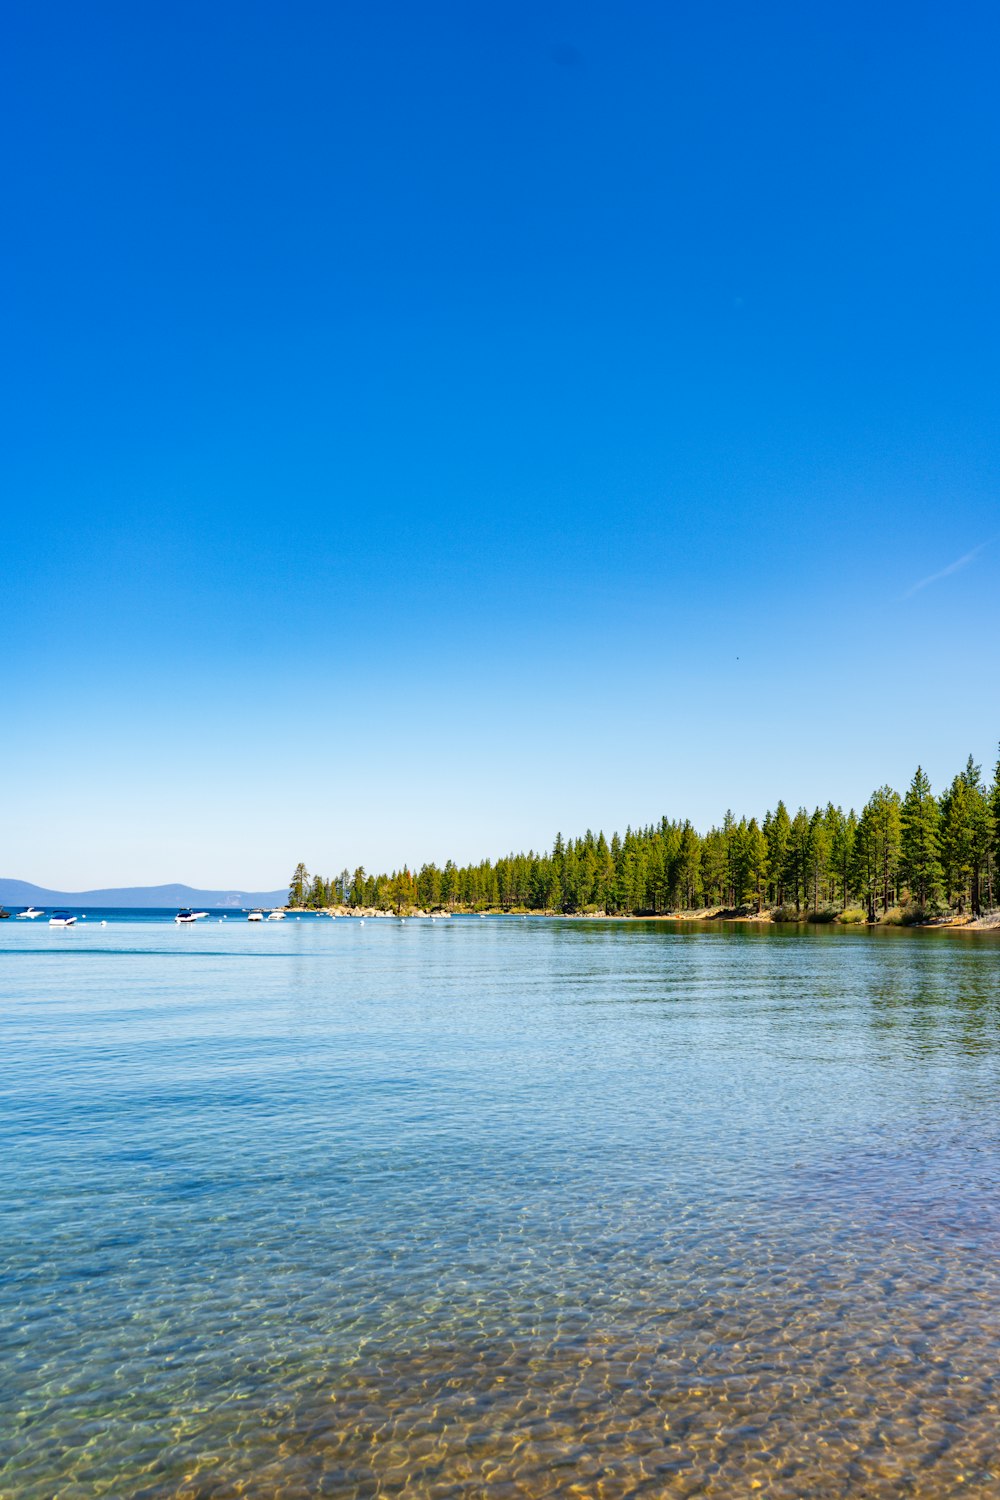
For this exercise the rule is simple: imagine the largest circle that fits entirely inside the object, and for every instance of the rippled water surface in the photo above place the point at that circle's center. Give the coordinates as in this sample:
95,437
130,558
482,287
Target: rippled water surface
498,1208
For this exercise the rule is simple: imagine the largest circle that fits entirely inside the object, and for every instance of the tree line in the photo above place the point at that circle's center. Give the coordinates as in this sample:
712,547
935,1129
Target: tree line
919,854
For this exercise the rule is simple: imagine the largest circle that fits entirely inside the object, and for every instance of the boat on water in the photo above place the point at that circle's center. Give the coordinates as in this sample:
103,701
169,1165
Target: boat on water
276,916
255,916
186,916
62,919
30,913
4,913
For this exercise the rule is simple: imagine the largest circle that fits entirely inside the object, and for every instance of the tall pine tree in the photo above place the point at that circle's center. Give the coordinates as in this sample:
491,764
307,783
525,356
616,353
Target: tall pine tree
920,864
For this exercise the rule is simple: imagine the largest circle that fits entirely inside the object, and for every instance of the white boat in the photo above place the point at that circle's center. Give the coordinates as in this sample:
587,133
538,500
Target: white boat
255,916
61,919
185,916
31,913
276,916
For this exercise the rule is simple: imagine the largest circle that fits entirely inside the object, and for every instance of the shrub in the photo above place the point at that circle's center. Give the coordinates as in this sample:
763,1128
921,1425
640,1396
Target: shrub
893,917
853,916
785,913
822,914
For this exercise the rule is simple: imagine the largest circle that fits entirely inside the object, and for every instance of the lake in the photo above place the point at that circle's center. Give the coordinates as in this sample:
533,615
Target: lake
500,1208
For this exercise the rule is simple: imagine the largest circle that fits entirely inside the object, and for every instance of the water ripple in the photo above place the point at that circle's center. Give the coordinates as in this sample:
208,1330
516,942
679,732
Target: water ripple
499,1210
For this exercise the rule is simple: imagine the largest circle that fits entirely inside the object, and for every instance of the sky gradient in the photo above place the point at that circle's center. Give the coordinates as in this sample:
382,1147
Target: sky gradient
428,428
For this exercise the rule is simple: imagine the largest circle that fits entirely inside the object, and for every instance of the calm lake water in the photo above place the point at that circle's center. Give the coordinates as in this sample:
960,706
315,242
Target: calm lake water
498,1208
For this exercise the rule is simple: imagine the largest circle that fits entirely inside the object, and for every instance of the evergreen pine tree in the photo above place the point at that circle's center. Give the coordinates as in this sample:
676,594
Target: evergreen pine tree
885,808
994,864
818,854
981,831
865,871
757,857
957,843
689,868
299,886
796,857
920,865
778,838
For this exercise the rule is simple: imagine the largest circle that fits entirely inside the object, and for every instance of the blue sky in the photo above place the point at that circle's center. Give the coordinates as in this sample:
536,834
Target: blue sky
427,428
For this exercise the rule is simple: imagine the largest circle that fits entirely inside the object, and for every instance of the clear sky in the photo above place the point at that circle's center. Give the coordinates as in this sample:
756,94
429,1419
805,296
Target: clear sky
428,427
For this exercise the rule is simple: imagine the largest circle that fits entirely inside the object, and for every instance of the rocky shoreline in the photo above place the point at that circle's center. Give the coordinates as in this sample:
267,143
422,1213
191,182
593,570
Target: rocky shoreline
988,922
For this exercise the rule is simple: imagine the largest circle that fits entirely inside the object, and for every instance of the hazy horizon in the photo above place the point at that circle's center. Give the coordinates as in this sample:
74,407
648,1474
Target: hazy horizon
463,854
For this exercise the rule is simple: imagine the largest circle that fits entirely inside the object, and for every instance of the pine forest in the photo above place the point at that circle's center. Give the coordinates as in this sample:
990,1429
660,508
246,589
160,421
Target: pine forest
905,858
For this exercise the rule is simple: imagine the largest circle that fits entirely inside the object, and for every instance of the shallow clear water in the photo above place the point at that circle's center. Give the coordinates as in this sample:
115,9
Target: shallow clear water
498,1208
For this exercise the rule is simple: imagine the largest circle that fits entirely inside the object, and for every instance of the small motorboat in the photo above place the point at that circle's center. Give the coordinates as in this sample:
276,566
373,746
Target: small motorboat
255,916
4,913
30,913
277,915
62,919
185,916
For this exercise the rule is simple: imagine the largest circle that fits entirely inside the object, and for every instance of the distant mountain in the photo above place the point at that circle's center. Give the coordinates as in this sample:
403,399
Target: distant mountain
23,893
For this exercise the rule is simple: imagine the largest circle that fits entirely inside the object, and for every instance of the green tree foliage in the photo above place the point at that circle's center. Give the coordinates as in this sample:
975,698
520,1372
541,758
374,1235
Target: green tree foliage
778,832
843,831
818,856
886,823
981,833
797,858
925,846
757,860
299,886
864,869
920,840
957,843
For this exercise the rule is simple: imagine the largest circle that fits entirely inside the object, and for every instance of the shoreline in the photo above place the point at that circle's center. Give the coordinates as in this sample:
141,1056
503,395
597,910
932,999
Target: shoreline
988,922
